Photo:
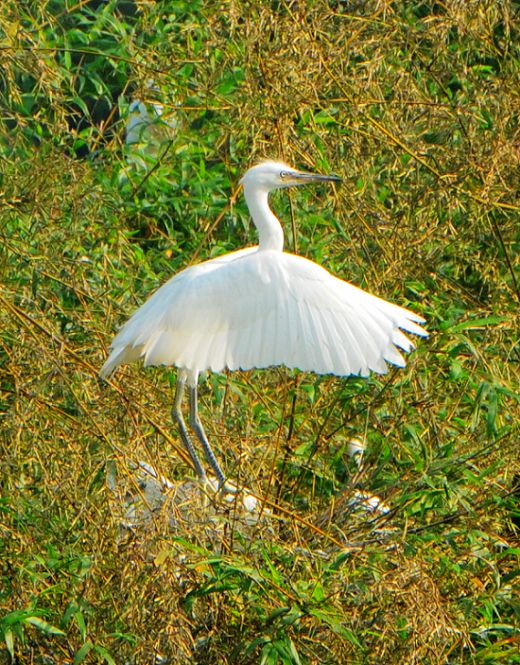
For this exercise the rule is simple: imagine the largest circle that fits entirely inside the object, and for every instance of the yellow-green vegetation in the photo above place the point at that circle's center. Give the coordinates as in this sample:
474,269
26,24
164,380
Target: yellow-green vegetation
416,105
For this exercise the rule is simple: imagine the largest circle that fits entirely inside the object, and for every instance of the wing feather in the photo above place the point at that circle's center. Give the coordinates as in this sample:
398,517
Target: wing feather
258,308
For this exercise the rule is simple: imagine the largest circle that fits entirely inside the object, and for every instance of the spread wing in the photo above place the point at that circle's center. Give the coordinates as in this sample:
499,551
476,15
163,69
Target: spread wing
257,308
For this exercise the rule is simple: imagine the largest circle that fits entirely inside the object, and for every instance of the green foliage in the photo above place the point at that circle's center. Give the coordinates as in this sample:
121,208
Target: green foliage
415,106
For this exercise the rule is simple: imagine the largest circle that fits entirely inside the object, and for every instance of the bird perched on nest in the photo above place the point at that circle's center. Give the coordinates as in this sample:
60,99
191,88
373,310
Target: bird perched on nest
259,307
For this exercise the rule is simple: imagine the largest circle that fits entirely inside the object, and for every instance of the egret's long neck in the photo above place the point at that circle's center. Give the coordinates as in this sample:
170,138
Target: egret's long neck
270,232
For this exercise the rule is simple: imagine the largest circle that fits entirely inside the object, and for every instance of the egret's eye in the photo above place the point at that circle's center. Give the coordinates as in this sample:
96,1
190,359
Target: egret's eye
284,174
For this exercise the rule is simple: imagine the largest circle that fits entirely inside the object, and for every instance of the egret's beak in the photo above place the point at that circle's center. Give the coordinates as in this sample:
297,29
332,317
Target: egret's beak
301,177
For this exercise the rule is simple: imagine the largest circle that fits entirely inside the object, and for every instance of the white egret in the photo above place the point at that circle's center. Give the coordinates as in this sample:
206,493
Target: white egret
148,123
356,450
258,307
149,491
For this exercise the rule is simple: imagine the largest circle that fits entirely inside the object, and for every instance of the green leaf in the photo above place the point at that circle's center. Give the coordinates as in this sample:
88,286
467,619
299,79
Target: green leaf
80,621
9,641
44,626
104,653
324,118
492,412
281,611
472,324
318,594
80,655
286,649
336,625
257,642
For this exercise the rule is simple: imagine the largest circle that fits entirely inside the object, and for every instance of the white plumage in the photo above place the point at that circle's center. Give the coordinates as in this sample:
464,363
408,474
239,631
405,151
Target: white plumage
259,307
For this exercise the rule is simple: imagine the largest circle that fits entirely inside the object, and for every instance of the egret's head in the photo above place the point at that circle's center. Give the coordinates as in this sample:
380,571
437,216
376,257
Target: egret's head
275,175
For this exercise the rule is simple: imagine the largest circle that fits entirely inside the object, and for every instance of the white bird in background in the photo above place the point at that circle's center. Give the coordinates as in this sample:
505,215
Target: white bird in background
144,119
259,307
149,124
356,450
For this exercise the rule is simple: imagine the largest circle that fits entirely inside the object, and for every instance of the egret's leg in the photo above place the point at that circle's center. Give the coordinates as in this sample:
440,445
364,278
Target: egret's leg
201,435
179,420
